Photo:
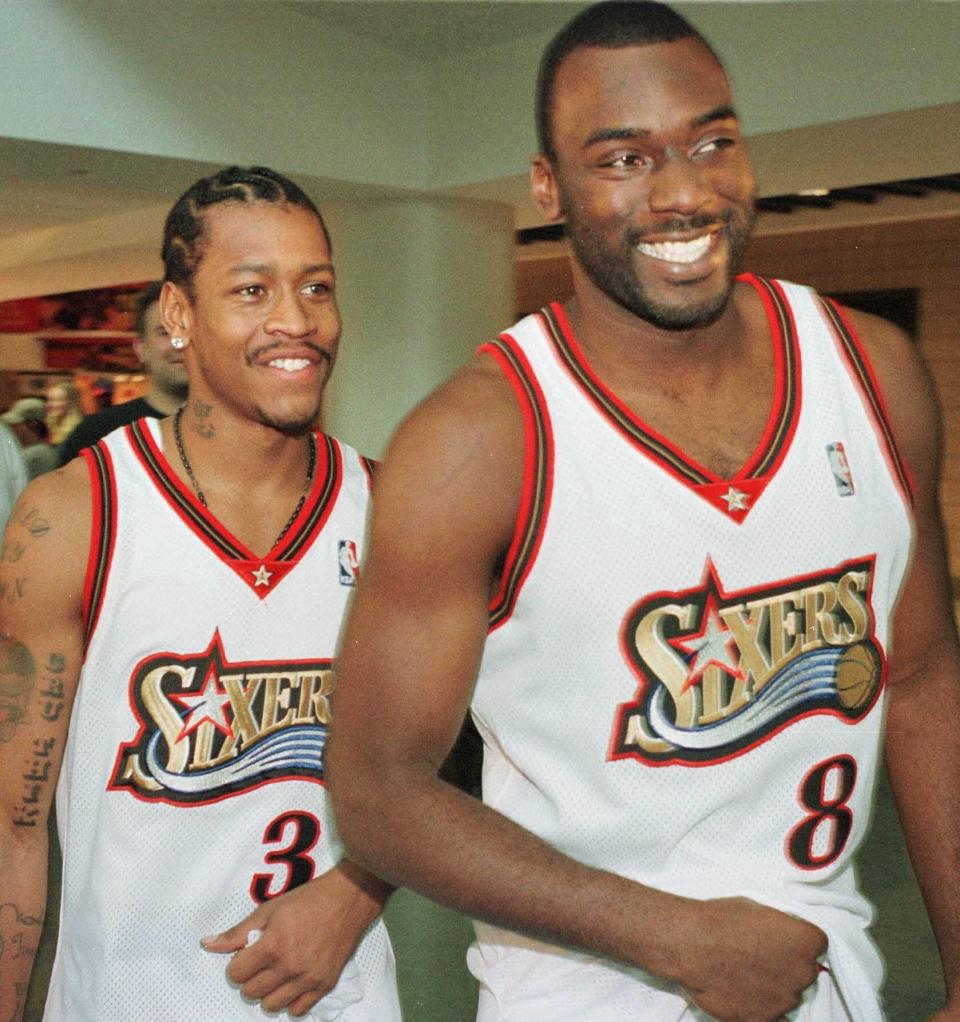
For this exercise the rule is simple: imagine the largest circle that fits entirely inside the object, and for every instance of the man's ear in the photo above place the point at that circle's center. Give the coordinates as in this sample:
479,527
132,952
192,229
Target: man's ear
176,313
545,189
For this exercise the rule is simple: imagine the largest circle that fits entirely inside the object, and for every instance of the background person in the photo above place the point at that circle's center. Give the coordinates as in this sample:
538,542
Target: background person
63,410
166,373
13,469
27,420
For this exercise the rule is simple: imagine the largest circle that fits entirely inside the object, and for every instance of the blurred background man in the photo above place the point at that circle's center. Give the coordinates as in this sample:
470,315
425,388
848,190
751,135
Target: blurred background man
164,367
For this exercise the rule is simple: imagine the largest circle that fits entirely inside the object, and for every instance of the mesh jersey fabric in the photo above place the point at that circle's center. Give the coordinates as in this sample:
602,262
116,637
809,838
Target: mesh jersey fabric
687,687
191,787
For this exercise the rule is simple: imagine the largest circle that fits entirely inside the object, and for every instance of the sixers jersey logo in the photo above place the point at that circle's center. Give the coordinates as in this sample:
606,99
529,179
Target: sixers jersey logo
720,672
210,728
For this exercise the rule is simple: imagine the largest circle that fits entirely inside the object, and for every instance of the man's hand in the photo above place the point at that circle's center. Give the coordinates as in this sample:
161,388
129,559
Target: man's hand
745,962
306,938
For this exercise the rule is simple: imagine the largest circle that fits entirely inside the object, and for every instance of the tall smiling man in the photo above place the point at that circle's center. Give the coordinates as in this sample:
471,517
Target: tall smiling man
677,543
172,604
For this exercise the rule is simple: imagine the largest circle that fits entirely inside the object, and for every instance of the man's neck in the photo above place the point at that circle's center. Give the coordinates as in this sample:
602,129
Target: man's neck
251,476
629,347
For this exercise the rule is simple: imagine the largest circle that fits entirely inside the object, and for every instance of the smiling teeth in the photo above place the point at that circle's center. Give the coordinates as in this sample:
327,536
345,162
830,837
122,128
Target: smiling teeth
290,365
678,251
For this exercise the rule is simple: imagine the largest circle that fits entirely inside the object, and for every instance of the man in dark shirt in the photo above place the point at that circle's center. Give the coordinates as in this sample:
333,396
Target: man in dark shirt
168,381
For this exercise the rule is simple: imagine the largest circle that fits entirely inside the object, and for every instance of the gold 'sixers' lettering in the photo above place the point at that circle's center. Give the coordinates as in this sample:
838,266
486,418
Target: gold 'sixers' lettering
201,716
704,656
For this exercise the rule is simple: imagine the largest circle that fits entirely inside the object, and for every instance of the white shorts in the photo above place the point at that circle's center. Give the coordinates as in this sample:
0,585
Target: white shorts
524,980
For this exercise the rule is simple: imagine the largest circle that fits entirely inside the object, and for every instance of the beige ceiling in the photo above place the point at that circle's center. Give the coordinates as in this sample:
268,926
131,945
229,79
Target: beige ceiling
414,27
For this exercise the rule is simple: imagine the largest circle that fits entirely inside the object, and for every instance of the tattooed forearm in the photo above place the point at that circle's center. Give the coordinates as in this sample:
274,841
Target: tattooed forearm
19,937
37,771
201,419
17,678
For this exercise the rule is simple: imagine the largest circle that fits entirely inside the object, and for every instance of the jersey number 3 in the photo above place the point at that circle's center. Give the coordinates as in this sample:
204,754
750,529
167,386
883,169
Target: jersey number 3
820,837
295,834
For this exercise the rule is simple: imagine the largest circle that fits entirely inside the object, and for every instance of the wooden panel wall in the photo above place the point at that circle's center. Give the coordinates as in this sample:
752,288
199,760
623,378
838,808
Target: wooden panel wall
920,254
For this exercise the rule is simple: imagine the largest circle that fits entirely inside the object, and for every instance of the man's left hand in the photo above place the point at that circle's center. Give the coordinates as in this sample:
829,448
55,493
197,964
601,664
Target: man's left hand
306,938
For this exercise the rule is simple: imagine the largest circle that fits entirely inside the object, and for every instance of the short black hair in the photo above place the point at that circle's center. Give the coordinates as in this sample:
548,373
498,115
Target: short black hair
150,295
184,229
611,25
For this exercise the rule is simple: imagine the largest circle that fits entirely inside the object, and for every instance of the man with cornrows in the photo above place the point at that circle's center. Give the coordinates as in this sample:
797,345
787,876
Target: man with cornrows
168,660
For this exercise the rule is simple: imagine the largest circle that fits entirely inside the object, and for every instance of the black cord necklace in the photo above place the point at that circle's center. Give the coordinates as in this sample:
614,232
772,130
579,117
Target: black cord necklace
188,468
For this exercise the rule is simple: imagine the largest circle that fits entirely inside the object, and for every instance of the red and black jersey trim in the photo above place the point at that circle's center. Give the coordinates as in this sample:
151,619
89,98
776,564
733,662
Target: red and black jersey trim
103,535
537,476
786,406
328,478
370,467
781,423
851,347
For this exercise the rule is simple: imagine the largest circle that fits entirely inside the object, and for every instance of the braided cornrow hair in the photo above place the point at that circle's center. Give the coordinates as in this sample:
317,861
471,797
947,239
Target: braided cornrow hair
183,231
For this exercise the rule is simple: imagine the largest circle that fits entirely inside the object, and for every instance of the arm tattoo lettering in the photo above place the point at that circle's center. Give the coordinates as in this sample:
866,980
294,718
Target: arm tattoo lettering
201,420
52,695
17,678
19,937
14,921
35,776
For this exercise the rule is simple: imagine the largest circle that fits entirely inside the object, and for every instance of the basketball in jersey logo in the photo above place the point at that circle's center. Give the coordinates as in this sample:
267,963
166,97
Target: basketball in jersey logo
840,468
721,671
349,563
210,728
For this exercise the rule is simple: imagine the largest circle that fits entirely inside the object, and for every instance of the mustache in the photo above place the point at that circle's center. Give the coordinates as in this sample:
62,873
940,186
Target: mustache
681,224
254,356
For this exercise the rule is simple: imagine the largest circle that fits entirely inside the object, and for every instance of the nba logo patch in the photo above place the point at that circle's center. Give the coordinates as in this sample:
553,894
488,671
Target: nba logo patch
840,468
349,564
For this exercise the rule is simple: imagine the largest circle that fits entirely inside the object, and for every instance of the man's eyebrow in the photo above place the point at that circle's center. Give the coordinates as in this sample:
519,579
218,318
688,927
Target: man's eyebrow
242,268
260,268
718,113
615,135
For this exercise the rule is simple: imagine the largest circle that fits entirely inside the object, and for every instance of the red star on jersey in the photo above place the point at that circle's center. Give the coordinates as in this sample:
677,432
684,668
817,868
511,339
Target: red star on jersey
207,704
714,644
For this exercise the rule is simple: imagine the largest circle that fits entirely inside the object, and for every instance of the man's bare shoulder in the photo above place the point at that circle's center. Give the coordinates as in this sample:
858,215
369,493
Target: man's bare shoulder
906,388
477,396
471,419
48,532
455,465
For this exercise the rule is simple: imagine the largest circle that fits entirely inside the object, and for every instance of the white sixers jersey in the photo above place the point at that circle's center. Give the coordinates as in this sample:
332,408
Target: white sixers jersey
192,784
684,677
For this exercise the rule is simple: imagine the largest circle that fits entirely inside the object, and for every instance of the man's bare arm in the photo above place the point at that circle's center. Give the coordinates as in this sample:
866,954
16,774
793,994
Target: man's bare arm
922,738
447,500
42,566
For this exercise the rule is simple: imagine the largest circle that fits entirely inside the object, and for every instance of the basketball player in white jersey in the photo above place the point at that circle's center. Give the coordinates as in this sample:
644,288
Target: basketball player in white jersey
172,602
677,542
